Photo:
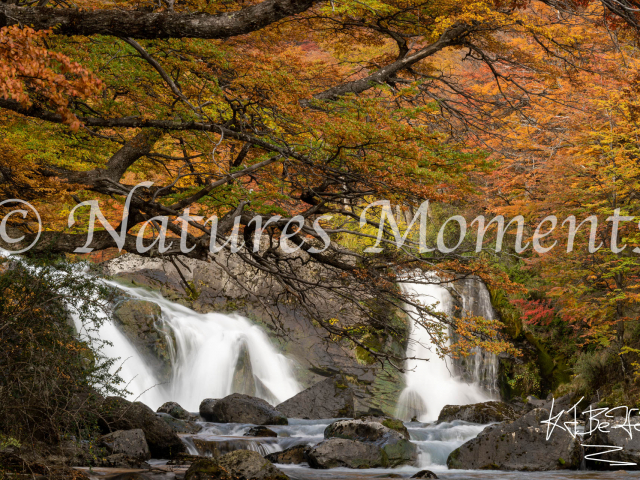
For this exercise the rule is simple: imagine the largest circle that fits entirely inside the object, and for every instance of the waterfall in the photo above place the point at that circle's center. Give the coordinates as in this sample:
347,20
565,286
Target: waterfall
206,352
432,384
208,349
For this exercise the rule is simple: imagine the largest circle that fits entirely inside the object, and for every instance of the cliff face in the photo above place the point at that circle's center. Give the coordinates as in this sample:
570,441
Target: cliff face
232,287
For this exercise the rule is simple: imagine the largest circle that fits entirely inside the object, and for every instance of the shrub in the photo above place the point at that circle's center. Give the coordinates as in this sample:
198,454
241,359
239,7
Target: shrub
50,377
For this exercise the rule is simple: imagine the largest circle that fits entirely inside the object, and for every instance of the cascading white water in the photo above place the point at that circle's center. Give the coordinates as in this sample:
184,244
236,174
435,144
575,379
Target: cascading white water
207,347
430,385
203,359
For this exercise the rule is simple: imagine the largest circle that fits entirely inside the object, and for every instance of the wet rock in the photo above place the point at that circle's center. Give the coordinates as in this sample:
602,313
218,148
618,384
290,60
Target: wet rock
141,322
120,414
331,398
293,455
341,452
238,408
425,474
207,469
176,411
243,380
482,413
131,443
389,422
217,448
206,408
618,435
260,432
128,476
397,449
249,465
519,445
180,426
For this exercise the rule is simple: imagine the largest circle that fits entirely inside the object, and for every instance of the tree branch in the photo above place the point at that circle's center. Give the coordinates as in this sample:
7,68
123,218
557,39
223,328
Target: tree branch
136,24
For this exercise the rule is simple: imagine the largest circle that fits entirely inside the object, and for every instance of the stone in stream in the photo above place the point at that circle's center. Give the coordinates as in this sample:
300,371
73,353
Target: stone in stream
119,414
482,413
243,380
425,474
131,443
238,465
519,445
127,476
618,434
206,408
239,408
180,426
397,449
176,411
260,432
331,398
341,452
217,448
293,455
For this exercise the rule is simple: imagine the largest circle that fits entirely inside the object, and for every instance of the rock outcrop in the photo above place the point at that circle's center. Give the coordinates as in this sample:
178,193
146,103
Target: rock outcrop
243,380
120,414
141,322
519,445
482,413
239,408
331,398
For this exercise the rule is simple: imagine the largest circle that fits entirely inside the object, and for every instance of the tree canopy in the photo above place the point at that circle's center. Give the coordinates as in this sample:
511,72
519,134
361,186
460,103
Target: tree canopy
248,110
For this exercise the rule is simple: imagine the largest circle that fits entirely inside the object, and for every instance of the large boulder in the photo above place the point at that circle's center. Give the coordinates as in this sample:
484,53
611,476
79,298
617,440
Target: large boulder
119,414
176,411
389,422
396,447
617,433
206,408
207,469
131,443
293,455
141,322
482,413
331,398
341,452
180,426
249,465
239,408
519,445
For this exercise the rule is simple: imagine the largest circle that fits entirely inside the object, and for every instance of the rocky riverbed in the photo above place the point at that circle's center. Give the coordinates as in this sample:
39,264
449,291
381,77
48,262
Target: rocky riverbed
244,437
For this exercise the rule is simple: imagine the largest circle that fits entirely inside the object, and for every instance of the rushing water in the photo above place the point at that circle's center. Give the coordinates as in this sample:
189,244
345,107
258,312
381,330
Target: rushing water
432,385
434,441
204,357
204,350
